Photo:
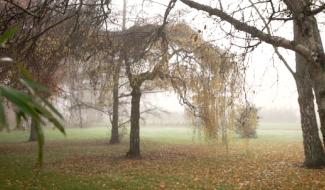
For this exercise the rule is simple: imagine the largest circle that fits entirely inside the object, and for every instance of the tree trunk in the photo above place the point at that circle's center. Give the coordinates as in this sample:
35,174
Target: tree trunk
306,32
223,120
33,132
224,130
134,151
116,82
114,133
319,87
225,136
80,116
318,73
314,153
310,34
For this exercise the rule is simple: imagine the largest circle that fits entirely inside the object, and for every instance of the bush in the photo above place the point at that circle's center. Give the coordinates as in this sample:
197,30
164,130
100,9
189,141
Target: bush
246,121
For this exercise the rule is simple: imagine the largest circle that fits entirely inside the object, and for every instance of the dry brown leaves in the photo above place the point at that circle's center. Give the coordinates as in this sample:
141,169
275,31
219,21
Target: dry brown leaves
259,166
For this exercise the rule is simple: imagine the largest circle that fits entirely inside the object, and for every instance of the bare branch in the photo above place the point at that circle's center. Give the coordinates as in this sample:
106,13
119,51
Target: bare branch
253,31
270,33
21,8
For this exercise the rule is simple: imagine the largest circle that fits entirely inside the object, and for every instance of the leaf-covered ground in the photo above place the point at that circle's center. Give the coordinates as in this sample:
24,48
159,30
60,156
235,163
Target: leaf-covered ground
263,163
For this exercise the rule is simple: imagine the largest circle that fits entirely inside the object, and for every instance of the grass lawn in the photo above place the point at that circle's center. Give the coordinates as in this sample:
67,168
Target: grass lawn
170,160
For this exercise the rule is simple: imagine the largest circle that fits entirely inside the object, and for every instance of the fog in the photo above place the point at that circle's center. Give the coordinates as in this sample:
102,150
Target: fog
162,94
170,102
269,84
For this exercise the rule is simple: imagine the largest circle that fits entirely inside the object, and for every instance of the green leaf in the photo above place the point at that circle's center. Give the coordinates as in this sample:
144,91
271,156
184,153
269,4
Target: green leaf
49,116
7,35
3,120
19,116
40,140
22,101
57,124
18,119
34,106
24,72
48,104
34,87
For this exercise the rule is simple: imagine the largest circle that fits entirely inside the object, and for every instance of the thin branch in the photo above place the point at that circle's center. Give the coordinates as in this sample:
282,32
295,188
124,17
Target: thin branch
21,8
270,33
50,27
253,31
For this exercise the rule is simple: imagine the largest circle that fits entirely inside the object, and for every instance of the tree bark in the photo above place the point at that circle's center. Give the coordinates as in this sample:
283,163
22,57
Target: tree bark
310,33
33,132
115,124
318,77
314,153
306,32
116,81
134,151
80,116
320,99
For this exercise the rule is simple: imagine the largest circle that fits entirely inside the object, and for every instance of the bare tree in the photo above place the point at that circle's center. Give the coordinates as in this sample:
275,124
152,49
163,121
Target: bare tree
307,44
116,79
142,66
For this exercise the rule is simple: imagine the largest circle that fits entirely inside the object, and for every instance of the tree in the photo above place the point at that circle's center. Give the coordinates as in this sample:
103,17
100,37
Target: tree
116,83
30,47
207,79
307,45
41,45
143,65
246,121
28,105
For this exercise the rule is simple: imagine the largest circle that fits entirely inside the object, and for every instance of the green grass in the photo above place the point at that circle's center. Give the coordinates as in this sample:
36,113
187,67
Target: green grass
170,160
173,134
53,134
166,134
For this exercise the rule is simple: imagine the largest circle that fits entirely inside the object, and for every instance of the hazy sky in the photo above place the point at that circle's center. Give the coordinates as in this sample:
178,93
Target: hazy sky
270,83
